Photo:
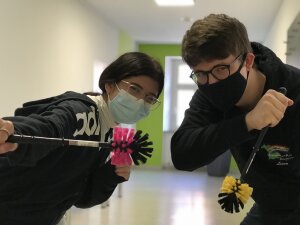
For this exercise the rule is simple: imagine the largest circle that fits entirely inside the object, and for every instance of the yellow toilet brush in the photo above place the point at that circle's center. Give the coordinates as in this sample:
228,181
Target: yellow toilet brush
235,192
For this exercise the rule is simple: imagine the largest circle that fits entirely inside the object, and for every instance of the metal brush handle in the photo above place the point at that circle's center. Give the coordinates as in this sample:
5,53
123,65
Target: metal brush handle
26,139
257,145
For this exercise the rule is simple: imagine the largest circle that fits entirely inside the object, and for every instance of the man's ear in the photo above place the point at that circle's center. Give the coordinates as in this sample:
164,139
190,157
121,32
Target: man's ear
249,61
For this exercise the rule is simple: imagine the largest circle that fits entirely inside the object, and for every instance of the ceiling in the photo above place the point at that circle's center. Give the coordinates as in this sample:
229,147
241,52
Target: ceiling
148,23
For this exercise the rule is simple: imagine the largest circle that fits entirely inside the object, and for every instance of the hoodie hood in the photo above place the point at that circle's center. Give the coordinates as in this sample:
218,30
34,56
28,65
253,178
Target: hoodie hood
270,65
41,105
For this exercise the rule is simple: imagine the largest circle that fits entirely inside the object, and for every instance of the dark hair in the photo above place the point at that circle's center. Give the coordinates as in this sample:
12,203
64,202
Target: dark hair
92,93
214,37
132,64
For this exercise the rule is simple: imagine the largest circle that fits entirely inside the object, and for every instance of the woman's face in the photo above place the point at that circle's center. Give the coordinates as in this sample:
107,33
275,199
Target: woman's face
141,87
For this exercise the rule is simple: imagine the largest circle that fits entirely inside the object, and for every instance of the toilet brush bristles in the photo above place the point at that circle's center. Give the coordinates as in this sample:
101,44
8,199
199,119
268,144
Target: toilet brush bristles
234,194
129,146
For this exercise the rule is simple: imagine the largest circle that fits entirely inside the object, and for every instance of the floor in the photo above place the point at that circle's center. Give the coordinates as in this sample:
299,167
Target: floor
162,197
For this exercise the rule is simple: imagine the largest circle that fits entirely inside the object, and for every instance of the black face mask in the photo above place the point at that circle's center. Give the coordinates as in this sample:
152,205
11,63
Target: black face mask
225,93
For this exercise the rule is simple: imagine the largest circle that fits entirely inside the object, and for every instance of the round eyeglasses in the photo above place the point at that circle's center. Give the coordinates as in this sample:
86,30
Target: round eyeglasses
137,91
219,72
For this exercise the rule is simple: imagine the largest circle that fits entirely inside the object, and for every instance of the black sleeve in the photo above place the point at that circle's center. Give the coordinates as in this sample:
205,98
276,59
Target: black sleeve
99,186
293,133
204,134
56,121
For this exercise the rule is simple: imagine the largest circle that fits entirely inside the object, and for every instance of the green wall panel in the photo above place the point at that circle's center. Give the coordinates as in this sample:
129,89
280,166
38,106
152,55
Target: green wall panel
154,123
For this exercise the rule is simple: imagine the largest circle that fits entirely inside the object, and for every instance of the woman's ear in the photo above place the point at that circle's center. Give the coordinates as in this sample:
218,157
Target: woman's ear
109,88
249,61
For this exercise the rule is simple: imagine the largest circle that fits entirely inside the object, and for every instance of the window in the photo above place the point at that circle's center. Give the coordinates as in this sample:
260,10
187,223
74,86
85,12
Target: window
178,91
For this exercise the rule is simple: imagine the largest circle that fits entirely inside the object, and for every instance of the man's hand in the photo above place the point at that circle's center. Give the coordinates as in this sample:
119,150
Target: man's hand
6,129
268,111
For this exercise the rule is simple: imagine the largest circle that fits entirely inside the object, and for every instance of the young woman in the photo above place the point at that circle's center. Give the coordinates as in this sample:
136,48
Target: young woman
39,182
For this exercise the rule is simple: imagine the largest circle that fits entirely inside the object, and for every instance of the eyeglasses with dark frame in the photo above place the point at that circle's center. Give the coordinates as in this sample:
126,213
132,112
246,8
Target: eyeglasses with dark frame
219,72
137,91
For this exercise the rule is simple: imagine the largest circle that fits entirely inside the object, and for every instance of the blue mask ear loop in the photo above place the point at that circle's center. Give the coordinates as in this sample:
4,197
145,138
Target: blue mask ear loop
118,91
117,87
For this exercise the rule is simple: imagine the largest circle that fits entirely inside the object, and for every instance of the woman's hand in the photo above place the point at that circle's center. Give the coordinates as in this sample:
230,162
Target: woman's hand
123,171
6,129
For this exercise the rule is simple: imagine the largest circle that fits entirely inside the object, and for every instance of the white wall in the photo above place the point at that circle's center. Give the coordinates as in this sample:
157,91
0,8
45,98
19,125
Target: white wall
278,32
48,47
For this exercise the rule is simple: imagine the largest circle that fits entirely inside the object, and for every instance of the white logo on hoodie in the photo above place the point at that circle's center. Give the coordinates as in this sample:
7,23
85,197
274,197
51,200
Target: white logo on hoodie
90,124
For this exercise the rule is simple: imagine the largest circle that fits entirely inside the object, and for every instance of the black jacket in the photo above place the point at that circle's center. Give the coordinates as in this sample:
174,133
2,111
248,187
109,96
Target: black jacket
205,133
40,182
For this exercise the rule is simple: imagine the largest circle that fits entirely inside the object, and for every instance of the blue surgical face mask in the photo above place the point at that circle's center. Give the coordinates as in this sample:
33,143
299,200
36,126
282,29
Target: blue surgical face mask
126,108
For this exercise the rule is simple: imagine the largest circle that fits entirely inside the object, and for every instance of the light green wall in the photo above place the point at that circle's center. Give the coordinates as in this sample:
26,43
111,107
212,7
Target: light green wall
153,125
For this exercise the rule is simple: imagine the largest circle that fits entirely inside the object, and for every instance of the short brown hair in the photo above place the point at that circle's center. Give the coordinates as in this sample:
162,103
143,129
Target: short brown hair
214,37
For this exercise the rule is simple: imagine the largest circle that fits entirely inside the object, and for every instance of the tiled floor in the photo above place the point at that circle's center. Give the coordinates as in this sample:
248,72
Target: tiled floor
162,197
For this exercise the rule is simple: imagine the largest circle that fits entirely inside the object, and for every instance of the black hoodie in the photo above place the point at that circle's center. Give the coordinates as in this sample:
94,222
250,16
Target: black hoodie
39,182
205,133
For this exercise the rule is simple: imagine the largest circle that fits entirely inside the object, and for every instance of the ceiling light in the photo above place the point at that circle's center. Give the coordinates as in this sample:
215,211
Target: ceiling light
175,2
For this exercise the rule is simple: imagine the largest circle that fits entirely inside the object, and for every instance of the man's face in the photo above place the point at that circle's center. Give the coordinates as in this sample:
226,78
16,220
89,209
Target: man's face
210,72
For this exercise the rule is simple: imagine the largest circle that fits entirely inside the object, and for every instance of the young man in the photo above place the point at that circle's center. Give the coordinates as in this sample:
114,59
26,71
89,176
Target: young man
237,97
